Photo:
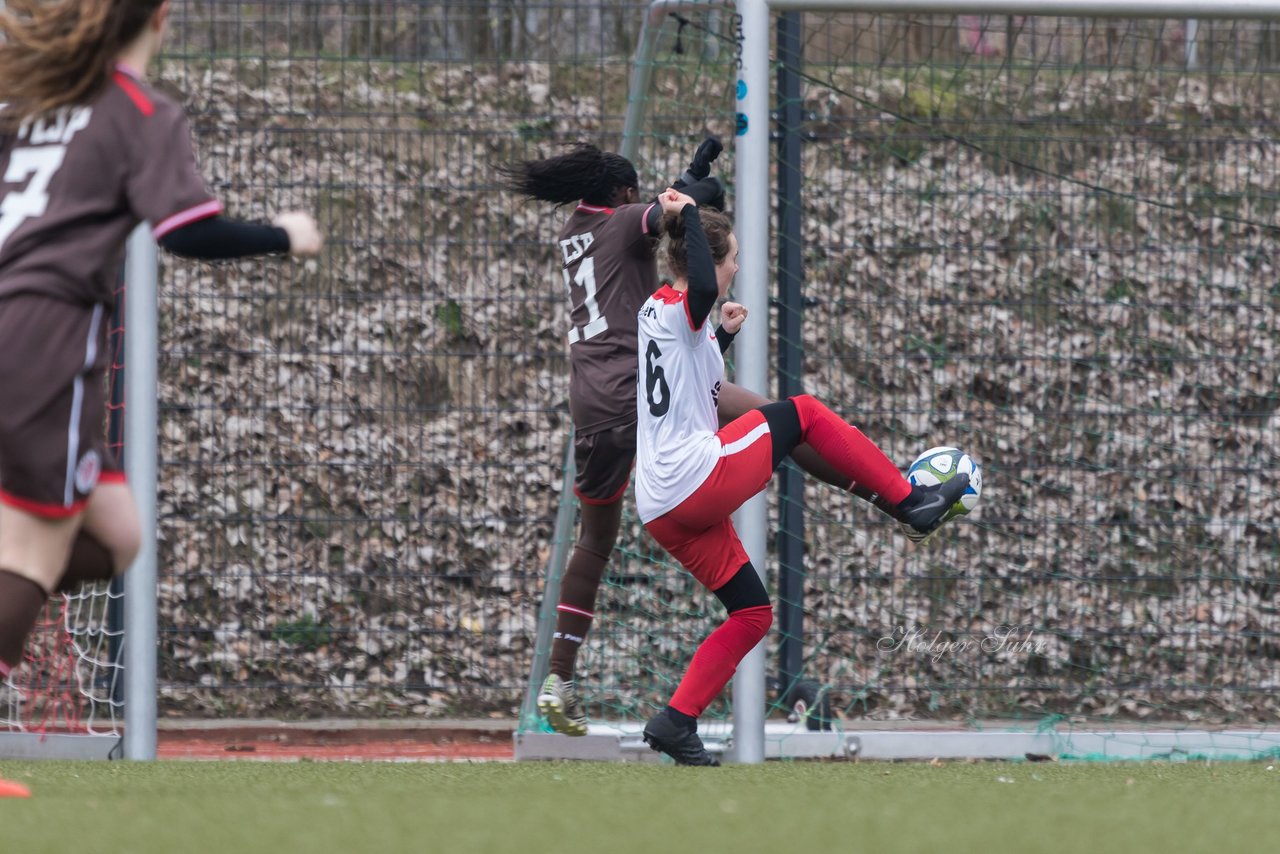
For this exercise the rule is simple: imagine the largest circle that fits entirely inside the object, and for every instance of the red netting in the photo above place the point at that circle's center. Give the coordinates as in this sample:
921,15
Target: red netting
49,698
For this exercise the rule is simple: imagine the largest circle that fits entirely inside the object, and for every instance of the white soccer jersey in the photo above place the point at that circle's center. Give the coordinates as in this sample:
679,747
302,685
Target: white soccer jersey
676,391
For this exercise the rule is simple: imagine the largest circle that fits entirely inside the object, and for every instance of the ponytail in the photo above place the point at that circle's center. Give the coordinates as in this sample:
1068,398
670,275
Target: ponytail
715,225
57,53
583,173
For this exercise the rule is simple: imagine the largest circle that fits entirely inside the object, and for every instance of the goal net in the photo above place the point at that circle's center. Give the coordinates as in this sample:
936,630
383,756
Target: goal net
1048,241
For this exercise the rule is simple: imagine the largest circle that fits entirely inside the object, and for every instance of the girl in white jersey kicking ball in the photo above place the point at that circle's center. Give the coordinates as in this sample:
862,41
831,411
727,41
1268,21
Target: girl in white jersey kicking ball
691,474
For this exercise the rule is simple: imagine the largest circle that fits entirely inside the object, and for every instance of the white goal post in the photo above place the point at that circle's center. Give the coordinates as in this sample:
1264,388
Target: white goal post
142,424
751,29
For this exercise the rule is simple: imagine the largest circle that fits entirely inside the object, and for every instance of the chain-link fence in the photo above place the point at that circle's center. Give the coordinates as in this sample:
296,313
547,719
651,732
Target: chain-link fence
1049,242
361,456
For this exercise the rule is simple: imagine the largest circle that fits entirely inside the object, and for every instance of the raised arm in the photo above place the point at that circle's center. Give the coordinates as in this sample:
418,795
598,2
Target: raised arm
696,182
703,290
707,193
732,316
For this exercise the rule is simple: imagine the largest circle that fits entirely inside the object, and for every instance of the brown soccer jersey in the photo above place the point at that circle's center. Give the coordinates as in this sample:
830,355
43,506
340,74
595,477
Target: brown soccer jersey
610,270
76,182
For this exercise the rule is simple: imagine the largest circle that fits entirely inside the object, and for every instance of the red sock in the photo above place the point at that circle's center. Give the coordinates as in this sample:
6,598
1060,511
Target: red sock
718,656
846,448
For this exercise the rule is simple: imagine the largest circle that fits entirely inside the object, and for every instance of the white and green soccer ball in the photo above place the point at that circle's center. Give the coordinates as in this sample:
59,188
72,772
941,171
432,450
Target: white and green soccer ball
940,464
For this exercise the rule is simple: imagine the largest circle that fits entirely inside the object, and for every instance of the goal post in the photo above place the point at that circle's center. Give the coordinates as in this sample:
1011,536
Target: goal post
142,330
1089,229
87,687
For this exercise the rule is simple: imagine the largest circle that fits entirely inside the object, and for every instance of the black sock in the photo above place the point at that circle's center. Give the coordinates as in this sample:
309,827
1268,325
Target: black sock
689,722
21,601
886,506
90,562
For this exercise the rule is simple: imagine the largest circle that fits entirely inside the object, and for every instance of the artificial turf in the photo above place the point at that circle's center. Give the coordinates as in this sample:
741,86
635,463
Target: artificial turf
246,807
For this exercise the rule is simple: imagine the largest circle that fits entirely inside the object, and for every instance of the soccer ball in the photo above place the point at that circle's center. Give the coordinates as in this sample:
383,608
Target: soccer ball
940,464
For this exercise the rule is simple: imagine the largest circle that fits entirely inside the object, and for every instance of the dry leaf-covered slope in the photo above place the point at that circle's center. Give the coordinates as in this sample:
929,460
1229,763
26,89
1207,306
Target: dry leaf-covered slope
362,455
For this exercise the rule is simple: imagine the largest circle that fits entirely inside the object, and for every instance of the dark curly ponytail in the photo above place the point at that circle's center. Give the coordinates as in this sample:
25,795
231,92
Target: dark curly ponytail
583,173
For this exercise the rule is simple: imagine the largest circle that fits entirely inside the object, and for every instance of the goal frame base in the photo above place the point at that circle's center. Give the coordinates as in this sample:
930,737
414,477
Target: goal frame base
622,742
32,745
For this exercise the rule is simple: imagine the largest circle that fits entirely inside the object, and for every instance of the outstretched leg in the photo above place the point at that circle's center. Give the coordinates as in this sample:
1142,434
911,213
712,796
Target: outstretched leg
921,508
742,473
736,401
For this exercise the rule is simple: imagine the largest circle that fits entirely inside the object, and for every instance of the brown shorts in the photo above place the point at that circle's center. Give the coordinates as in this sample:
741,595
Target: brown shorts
53,420
603,461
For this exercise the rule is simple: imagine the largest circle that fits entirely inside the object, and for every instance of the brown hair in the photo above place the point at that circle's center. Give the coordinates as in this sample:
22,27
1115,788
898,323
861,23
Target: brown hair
56,53
715,225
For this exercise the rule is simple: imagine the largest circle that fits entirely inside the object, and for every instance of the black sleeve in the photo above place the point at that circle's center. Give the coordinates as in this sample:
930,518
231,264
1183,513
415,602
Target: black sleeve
217,237
724,339
708,193
703,290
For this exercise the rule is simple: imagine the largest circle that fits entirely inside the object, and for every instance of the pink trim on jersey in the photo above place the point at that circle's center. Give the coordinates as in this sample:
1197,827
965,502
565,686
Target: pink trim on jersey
190,215
112,477
41,509
573,610
586,208
644,220
130,87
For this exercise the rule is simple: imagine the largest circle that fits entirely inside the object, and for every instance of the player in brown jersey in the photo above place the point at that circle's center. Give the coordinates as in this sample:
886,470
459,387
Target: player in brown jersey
608,255
87,151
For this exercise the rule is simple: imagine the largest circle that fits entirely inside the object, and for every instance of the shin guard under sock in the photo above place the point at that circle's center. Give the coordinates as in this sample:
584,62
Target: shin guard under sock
848,449
717,658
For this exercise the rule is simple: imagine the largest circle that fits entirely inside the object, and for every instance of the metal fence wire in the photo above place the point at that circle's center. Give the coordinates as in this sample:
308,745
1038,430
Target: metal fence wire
362,455
1047,241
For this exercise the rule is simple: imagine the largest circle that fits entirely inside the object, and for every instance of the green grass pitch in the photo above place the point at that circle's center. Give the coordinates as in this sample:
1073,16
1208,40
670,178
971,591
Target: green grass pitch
246,807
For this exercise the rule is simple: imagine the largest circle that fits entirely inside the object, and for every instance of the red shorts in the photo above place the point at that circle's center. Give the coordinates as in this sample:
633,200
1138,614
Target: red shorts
53,420
698,531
